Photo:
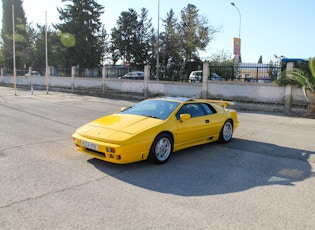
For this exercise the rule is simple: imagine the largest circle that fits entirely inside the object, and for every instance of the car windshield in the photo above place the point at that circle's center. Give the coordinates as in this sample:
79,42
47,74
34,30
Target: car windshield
159,109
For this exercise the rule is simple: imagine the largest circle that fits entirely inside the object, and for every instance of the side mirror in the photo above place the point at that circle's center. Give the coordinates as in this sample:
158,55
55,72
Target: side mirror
185,116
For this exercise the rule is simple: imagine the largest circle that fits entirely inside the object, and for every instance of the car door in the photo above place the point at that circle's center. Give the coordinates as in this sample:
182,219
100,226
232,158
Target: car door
195,128
214,120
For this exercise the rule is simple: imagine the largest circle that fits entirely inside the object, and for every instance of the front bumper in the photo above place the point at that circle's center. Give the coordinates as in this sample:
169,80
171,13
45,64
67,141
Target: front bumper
114,153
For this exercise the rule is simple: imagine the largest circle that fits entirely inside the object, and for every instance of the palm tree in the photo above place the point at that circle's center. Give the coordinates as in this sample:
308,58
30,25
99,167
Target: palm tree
303,79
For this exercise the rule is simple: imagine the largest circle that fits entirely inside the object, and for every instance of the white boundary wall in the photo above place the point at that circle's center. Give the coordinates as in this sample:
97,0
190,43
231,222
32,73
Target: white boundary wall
278,98
253,96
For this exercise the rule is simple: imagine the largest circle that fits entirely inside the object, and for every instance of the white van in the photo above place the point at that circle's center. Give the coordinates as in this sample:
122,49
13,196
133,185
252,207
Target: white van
195,76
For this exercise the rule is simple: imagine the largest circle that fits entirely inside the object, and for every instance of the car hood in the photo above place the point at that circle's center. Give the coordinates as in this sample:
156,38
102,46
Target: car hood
117,127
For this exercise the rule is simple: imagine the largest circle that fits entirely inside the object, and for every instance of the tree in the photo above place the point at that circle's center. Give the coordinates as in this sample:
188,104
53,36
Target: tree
273,70
222,63
260,60
169,44
55,48
81,33
304,79
221,56
143,44
1,54
21,39
131,38
124,36
195,33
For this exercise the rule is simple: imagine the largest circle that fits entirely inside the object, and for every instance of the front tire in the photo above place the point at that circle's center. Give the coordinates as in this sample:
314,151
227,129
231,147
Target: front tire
161,149
226,132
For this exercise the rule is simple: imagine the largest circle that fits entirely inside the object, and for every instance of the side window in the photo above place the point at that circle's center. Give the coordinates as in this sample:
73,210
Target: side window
181,111
194,109
208,109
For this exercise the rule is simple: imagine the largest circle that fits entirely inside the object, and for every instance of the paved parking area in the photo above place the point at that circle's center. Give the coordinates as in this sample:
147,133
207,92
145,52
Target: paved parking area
263,179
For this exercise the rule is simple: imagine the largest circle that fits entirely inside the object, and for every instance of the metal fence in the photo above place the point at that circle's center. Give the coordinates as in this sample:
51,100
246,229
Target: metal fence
61,72
245,72
257,72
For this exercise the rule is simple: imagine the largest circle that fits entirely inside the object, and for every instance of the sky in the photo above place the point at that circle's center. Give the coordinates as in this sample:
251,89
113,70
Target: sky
267,27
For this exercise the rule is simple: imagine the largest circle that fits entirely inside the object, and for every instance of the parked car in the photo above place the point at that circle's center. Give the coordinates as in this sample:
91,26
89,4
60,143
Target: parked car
196,76
216,77
154,128
34,73
264,80
134,75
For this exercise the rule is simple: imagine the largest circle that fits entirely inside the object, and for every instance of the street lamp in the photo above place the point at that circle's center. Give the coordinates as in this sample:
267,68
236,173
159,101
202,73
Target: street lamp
239,32
237,42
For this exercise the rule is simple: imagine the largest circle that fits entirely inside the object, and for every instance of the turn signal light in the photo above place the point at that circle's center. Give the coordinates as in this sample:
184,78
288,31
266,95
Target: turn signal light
110,150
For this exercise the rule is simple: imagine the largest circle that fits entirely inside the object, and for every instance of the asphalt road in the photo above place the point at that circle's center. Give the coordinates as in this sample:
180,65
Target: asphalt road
263,179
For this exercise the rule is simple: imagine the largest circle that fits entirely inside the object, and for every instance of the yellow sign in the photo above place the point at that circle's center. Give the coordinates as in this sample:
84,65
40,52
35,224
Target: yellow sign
237,46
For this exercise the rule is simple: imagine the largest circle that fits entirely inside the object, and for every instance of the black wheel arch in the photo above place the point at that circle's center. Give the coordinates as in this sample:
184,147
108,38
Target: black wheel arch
151,157
167,133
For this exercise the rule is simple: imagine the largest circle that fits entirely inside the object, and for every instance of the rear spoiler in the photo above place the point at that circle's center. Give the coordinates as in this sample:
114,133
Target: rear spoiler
221,103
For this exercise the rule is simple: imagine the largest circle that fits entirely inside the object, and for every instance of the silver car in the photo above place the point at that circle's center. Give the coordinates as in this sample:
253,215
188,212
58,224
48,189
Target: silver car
134,75
34,73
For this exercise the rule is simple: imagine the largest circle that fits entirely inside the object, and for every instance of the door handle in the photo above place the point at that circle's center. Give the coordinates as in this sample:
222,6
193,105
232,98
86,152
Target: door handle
207,121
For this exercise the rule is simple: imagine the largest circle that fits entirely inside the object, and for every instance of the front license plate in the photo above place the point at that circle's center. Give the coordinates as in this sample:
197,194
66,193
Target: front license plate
90,145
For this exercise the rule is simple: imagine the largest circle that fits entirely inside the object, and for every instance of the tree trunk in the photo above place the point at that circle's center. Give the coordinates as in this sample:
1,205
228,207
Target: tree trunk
312,105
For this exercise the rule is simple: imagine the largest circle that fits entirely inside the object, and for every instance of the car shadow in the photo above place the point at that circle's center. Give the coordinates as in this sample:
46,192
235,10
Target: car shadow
217,169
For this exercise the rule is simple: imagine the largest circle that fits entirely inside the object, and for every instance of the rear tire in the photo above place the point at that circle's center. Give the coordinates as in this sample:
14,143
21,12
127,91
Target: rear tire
226,132
161,149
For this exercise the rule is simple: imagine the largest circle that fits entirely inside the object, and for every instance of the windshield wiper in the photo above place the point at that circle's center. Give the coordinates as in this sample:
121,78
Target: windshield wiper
152,116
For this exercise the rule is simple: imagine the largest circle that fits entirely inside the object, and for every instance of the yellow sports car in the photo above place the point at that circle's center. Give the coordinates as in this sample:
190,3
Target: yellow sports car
154,128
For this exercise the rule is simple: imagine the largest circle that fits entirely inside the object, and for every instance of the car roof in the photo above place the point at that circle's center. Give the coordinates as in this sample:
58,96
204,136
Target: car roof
182,100
178,99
